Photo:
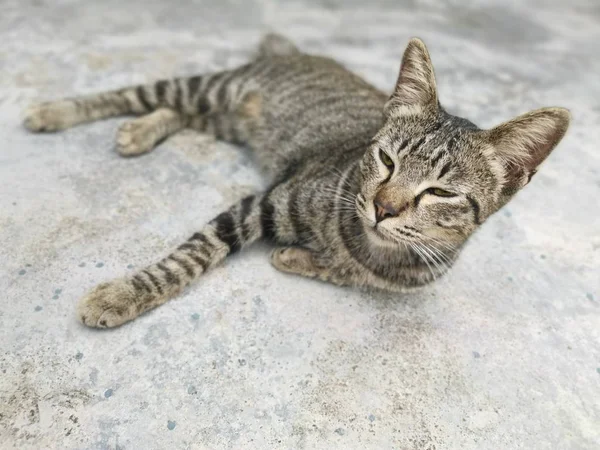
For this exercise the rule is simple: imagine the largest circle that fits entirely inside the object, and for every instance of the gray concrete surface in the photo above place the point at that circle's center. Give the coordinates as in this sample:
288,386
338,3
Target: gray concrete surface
502,354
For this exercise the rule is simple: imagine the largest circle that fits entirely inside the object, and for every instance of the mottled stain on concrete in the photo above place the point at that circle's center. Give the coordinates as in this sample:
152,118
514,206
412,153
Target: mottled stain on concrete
25,407
249,358
93,376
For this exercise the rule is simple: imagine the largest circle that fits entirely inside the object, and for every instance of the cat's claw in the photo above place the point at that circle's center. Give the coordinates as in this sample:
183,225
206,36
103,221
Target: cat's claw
108,305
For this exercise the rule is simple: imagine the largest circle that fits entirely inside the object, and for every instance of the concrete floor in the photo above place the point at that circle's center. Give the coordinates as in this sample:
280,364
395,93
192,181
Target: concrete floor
502,354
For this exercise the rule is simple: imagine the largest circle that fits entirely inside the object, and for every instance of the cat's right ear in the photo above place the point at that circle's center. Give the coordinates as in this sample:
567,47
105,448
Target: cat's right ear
416,88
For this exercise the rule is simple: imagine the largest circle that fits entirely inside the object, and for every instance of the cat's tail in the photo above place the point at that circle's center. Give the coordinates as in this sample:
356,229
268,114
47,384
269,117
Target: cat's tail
116,302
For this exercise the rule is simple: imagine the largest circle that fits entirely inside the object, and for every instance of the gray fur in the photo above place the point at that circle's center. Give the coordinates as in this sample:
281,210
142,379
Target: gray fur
368,190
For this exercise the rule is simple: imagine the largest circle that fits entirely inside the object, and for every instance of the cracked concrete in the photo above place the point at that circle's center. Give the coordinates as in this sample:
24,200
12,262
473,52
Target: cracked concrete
501,354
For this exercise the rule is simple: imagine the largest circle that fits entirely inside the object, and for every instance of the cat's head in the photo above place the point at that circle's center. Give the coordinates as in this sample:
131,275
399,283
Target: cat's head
433,178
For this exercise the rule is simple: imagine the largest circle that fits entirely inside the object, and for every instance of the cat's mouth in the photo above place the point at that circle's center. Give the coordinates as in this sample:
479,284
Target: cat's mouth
372,229
380,236
387,238
376,233
380,232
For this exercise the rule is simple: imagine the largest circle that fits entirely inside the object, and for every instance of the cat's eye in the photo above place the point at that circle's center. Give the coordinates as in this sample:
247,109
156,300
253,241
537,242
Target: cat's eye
385,159
440,192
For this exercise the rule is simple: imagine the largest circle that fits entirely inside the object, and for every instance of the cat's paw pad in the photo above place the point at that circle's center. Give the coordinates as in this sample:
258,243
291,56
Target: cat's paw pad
50,116
108,305
136,137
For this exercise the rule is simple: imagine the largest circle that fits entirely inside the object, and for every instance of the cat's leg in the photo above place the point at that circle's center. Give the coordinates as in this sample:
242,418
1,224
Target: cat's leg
118,301
65,113
236,126
140,135
201,94
301,261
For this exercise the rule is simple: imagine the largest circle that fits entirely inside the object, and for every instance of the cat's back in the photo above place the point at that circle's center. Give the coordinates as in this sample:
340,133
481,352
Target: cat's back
291,78
314,102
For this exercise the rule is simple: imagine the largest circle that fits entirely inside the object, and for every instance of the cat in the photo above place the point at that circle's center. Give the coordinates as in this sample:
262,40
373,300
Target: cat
367,189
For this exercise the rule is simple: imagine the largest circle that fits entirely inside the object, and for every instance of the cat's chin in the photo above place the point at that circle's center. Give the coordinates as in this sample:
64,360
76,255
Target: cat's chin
379,238
375,236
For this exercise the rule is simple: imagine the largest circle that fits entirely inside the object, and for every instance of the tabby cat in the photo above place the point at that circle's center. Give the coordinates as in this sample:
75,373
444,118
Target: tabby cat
367,189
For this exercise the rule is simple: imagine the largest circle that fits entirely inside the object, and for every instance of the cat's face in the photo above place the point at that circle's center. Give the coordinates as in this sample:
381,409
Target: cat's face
422,180
429,179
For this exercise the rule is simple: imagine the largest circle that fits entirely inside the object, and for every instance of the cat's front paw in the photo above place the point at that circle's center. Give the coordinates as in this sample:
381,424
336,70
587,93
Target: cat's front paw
109,305
294,260
51,116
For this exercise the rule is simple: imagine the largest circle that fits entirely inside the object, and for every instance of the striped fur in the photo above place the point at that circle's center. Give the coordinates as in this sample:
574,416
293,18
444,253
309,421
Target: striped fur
367,189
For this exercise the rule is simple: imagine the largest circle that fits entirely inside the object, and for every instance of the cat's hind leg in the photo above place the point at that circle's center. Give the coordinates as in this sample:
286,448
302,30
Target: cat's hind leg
236,125
200,94
134,137
141,135
61,114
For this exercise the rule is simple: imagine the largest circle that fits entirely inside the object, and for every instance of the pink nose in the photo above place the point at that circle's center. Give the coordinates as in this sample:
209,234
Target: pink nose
383,210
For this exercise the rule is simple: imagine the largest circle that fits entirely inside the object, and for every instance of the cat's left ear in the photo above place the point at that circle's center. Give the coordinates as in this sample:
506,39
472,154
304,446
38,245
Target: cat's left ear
415,89
522,144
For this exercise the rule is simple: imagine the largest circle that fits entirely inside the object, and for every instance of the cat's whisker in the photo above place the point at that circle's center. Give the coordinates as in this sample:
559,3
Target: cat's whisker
443,253
436,251
423,257
431,257
446,245
338,193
